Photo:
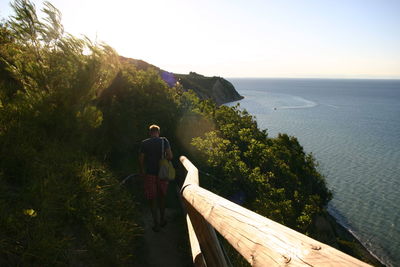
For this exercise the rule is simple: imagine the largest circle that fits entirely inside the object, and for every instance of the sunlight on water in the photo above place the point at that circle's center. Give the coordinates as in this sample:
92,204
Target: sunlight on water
274,101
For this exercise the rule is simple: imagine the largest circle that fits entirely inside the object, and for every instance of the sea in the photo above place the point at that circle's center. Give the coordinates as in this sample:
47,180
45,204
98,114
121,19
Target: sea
352,127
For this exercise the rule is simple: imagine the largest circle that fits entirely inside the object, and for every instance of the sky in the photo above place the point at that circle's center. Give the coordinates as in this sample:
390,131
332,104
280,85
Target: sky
245,38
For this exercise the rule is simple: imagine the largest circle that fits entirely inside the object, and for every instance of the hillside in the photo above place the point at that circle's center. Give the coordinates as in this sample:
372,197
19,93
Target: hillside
216,88
72,117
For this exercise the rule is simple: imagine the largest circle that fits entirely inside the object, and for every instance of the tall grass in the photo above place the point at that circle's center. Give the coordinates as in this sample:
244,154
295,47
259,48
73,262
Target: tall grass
60,204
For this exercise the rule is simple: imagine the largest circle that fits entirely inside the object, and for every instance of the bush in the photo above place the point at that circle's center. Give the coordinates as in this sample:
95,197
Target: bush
59,204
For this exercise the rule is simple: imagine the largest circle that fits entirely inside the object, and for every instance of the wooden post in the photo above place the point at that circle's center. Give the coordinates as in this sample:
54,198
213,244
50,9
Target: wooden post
205,233
197,255
261,241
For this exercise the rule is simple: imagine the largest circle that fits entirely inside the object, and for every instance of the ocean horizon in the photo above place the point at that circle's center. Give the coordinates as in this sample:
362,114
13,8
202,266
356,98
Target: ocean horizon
339,77
352,127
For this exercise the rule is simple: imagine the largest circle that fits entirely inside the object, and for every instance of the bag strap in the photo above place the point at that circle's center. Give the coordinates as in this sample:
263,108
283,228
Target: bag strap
162,148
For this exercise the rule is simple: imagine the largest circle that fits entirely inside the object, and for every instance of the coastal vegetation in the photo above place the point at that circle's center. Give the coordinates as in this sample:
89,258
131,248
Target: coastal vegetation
72,114
215,88
59,202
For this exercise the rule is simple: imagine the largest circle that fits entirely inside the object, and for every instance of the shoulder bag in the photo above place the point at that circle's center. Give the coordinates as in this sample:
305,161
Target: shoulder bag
166,171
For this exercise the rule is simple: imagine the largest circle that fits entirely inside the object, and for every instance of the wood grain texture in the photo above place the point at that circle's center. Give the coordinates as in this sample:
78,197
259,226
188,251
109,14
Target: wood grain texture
207,238
197,255
261,241
202,235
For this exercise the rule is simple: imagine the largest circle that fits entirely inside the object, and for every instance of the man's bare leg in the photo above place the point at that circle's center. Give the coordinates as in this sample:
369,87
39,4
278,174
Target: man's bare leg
161,203
154,214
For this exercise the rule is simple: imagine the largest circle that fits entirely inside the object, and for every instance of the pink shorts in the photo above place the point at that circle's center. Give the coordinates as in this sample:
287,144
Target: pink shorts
154,187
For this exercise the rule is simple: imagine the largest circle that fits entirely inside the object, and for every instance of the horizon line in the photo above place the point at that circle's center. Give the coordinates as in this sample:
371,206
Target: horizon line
322,78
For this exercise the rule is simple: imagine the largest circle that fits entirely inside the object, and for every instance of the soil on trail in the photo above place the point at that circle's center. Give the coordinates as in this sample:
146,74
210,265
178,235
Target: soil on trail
170,246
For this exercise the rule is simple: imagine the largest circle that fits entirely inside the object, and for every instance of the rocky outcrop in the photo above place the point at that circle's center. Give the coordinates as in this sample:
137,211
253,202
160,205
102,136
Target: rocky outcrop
223,91
215,88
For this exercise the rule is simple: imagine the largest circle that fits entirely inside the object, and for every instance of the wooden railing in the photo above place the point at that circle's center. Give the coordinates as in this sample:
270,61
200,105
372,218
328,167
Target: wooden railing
261,241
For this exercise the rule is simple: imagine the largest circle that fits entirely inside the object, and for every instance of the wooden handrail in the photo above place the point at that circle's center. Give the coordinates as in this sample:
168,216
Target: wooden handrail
201,233
261,241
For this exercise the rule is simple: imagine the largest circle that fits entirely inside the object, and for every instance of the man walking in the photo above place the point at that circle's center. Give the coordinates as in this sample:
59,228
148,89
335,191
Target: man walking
155,189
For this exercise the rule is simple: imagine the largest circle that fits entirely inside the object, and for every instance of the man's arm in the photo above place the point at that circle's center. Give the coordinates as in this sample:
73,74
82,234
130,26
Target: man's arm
168,153
141,163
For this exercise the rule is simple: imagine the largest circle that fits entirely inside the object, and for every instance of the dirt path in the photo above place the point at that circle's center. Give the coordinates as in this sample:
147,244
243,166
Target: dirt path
170,246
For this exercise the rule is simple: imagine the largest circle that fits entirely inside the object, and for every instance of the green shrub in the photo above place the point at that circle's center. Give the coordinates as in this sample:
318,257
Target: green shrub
59,204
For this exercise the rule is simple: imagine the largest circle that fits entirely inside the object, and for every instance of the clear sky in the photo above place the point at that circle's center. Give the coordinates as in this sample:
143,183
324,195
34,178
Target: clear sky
245,38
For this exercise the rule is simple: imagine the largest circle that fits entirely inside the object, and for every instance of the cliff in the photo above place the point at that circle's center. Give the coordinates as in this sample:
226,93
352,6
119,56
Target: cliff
215,88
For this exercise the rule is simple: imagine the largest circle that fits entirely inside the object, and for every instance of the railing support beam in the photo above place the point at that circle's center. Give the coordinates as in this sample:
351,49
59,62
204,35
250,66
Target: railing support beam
205,233
261,241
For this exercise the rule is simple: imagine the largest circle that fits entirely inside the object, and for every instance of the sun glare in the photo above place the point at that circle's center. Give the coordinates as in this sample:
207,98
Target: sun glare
241,38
